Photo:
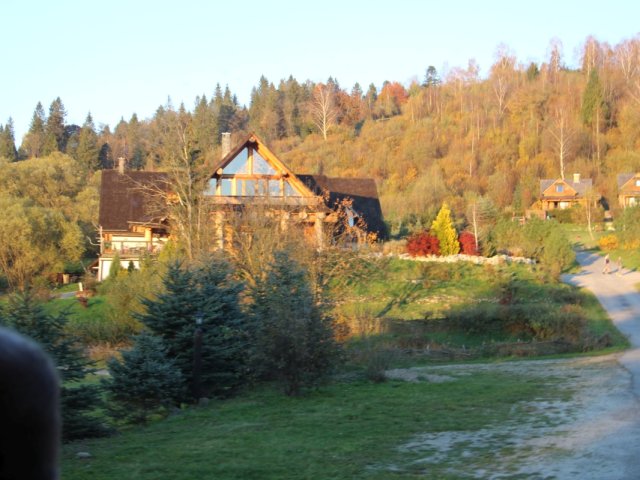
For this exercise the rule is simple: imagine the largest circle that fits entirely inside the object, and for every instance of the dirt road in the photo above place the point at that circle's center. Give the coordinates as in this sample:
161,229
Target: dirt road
619,296
593,436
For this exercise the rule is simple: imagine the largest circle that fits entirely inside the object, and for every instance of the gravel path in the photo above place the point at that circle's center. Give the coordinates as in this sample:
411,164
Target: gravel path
593,436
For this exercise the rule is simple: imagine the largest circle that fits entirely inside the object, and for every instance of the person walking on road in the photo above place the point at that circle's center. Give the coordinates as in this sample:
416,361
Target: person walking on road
619,267
606,268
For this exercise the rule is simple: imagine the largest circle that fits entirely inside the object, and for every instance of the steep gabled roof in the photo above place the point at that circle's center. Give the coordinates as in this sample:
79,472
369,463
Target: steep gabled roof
362,191
128,198
624,178
254,142
627,184
580,188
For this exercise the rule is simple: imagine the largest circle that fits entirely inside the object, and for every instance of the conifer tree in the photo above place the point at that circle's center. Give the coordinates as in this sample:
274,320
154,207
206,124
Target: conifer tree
294,339
7,142
207,294
146,382
204,124
115,268
226,112
134,138
442,227
55,139
87,151
593,103
34,139
26,314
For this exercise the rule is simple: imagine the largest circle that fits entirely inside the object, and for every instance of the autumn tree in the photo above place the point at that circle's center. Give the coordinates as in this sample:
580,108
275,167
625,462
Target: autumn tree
34,241
390,100
323,109
562,133
184,192
502,78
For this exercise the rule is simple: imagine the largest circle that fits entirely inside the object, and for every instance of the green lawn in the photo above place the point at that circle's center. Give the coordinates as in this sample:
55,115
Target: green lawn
345,430
404,298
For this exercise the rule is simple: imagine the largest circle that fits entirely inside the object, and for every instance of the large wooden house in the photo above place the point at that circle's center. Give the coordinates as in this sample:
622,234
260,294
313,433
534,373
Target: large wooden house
563,193
248,175
629,189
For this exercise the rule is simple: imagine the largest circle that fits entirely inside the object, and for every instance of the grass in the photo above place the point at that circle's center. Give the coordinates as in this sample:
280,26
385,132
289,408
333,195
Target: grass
346,430
405,300
413,290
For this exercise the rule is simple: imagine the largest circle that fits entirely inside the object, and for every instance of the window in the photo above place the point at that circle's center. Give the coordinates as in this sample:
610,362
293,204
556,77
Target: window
274,188
261,166
289,191
638,182
240,164
225,187
559,188
211,187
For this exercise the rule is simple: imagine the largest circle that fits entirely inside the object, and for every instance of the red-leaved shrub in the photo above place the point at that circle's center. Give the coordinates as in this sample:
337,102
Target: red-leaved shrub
422,244
467,243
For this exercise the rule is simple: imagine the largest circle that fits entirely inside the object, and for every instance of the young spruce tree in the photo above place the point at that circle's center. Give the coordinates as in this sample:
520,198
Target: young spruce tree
26,314
208,294
294,340
145,383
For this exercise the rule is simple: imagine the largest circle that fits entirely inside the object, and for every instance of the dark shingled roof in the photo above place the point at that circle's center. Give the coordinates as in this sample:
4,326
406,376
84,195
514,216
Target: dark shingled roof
127,197
362,191
624,178
580,187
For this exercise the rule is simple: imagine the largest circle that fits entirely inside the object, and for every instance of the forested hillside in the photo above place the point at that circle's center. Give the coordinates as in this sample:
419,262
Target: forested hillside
442,139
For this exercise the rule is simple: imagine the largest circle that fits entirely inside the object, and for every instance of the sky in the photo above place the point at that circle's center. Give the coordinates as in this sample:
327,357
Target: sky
120,57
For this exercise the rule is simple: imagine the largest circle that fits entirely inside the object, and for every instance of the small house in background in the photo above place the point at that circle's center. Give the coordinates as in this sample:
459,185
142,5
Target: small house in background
132,222
564,193
629,189
129,227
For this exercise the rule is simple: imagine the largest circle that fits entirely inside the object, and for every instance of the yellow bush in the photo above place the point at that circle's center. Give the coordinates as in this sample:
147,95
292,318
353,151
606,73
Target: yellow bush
608,242
631,244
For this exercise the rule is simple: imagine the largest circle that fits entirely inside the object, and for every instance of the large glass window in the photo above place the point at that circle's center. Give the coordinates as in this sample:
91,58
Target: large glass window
225,185
289,191
240,164
249,189
211,187
261,166
274,188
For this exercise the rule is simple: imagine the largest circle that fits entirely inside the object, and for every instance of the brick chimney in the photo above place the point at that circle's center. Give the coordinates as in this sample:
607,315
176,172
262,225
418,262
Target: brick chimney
226,144
576,178
121,164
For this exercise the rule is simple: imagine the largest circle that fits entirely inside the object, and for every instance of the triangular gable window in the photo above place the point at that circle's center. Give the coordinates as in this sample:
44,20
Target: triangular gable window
242,166
255,172
261,166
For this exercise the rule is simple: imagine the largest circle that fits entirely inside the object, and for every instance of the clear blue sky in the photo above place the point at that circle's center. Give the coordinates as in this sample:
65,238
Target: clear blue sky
118,57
